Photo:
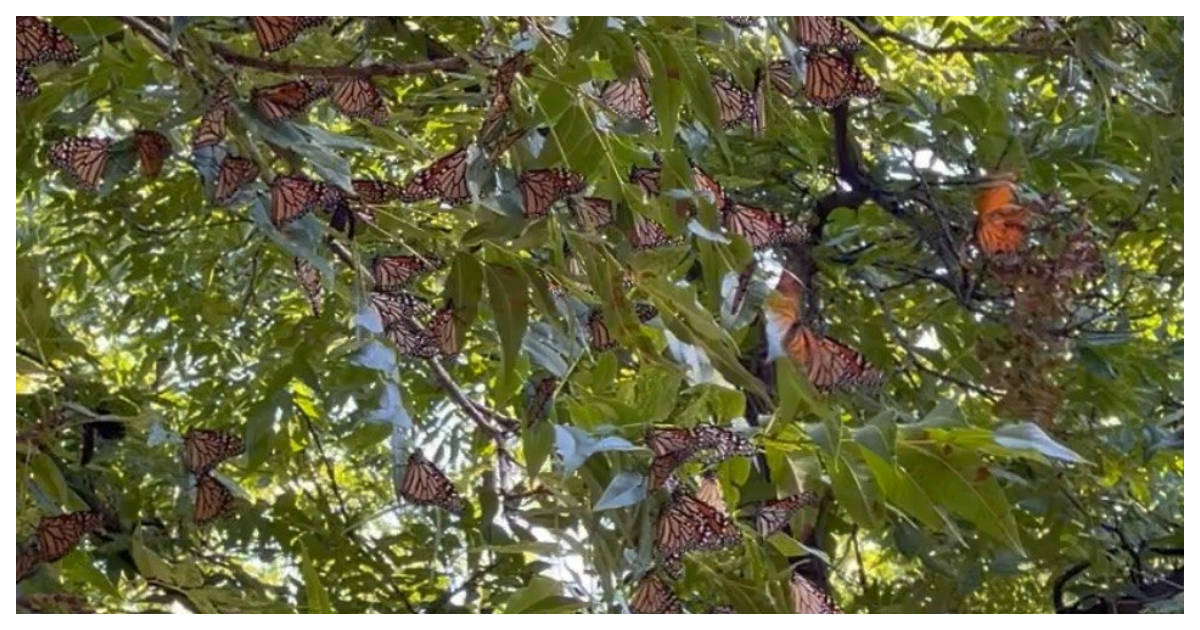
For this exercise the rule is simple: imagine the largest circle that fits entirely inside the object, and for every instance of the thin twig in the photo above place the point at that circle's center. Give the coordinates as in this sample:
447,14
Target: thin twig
1037,51
337,490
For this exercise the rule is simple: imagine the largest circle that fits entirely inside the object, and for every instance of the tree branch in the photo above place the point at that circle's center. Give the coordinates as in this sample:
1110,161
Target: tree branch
375,69
1037,51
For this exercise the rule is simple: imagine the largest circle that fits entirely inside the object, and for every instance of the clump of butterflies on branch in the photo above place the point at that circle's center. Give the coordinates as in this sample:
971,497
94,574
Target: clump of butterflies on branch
823,74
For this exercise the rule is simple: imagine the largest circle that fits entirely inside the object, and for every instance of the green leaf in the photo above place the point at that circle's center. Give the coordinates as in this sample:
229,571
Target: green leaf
957,482
537,441
1029,436
314,590
148,563
538,589
509,297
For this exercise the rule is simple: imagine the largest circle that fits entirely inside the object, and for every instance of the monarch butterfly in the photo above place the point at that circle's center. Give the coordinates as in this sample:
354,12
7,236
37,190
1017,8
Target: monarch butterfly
1001,224
446,178
539,398
359,98
343,210
212,127
82,159
27,85
393,272
742,21
667,440
773,515
310,282
411,340
689,524
443,330
40,42
275,32
672,446
830,364
591,213
213,499
810,599
601,338
500,93
761,228
648,178
284,100
373,191
292,196
53,603
152,148
28,560
628,98
723,442
705,183
395,308
424,484
648,233
711,493
541,188
781,75
653,597
734,104
204,448
822,31
57,535
234,173
830,80
662,470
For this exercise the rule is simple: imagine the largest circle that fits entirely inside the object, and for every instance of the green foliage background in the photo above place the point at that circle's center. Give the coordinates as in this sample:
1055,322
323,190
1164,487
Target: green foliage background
147,305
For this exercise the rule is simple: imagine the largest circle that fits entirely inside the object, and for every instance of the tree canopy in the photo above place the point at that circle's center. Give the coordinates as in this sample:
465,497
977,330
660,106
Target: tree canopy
585,314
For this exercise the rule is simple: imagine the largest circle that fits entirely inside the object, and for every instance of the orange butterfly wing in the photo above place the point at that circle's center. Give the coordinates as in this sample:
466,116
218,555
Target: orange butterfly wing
152,149
424,484
275,32
82,159
213,499
233,174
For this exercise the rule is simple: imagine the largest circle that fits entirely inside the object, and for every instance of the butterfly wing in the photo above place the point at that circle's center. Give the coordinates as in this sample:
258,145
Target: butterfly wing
375,192
394,308
393,272
310,282
540,189
233,174
648,233
204,448
648,178
446,179
285,100
359,98
292,196
591,213
809,599
443,329
83,160
152,149
424,484
213,499
275,32
628,99
58,535
734,104
212,127
653,597
760,227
